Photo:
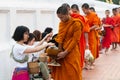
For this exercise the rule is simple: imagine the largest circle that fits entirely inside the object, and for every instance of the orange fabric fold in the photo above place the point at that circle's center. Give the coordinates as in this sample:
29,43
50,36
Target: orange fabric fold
70,65
82,38
116,30
93,34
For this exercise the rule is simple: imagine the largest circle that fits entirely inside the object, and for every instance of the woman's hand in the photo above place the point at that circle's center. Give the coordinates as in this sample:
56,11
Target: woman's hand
48,35
62,54
50,44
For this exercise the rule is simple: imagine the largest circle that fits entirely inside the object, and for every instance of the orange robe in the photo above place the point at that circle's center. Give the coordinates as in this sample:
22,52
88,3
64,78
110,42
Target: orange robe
119,27
82,38
98,38
93,34
116,30
69,34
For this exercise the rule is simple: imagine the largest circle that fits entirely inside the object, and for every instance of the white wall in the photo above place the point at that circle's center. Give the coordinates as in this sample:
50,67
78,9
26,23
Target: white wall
4,21
32,16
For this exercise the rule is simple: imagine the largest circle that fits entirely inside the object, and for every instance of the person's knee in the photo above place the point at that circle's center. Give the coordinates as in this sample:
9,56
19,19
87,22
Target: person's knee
41,64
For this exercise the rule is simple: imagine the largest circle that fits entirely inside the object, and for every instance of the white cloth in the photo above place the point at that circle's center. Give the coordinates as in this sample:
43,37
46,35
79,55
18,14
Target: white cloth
88,54
30,55
36,54
18,53
43,50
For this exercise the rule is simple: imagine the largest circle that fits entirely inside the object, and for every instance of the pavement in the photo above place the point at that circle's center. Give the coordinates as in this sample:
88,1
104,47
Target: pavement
107,67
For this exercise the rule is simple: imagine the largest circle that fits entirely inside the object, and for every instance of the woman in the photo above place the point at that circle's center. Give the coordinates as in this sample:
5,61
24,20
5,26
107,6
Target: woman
37,34
48,30
20,53
36,56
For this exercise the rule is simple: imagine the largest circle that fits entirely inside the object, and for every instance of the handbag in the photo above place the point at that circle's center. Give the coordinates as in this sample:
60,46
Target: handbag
33,67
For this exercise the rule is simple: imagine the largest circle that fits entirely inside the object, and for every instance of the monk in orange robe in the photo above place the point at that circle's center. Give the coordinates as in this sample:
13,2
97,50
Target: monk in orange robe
119,27
92,9
83,39
99,46
69,57
119,24
116,30
92,35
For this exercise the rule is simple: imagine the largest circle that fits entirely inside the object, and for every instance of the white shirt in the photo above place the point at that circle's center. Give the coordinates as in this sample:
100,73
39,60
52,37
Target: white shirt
18,53
36,54
43,50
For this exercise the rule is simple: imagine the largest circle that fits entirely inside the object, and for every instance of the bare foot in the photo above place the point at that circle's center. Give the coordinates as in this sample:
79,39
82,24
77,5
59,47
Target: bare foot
91,67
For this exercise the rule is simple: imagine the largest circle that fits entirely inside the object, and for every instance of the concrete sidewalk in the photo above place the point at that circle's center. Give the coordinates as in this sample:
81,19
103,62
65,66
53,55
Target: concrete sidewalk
107,67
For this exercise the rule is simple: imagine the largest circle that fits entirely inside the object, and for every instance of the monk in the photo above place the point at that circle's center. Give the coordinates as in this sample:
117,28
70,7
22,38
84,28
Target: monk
68,38
84,36
116,29
108,24
119,10
92,35
92,9
119,24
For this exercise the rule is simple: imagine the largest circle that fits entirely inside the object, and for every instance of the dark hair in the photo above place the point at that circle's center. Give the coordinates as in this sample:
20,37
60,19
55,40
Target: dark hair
37,34
62,10
92,8
107,10
85,5
48,30
31,36
54,36
53,40
114,9
44,34
19,33
75,6
66,5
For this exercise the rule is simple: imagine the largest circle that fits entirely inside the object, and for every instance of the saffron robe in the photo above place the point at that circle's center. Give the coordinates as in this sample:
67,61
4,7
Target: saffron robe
69,35
93,34
98,37
119,26
116,29
82,38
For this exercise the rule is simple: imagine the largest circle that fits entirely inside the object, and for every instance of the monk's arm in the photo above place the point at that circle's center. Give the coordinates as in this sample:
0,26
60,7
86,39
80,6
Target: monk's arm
86,40
60,47
107,25
86,30
93,27
95,23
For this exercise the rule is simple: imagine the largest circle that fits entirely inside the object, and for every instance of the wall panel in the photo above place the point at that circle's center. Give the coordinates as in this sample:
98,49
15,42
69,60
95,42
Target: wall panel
27,18
4,26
